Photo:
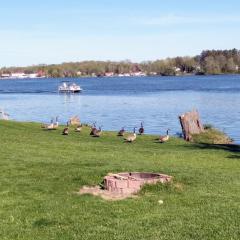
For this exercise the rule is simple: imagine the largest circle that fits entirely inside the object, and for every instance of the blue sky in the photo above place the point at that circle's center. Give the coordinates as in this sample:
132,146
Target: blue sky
54,31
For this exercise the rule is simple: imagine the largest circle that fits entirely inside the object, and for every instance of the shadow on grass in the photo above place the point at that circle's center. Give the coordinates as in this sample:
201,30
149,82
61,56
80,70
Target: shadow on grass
226,147
43,223
234,157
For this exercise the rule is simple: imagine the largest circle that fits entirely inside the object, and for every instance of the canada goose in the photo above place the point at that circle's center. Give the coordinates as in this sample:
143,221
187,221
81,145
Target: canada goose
98,132
4,115
163,139
66,130
131,137
56,124
93,129
121,132
141,129
50,126
78,128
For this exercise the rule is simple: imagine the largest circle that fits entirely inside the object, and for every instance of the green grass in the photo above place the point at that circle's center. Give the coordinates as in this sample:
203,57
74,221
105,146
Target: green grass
40,171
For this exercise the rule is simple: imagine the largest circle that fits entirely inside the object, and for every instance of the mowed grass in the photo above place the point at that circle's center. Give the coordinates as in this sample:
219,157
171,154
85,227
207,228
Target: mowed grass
41,171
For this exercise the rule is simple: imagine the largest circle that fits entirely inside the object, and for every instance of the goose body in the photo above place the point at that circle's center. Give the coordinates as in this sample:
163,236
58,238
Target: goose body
98,132
93,129
165,138
50,126
78,128
56,124
131,137
66,130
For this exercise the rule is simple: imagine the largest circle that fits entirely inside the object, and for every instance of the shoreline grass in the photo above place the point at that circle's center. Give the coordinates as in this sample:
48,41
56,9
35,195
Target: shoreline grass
41,170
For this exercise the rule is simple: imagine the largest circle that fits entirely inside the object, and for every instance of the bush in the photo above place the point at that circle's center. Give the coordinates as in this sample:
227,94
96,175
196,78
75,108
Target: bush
208,126
212,136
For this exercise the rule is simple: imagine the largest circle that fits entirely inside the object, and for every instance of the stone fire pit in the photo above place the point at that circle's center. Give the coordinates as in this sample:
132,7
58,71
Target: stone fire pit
123,185
132,182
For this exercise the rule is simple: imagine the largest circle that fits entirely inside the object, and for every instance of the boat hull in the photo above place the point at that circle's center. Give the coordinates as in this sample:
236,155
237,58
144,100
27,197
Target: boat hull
69,91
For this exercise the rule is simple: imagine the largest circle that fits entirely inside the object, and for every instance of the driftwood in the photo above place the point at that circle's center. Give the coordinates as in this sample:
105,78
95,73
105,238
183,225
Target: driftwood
191,124
74,121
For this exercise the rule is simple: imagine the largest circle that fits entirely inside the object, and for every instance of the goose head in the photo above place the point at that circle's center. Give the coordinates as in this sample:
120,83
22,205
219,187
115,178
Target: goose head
134,130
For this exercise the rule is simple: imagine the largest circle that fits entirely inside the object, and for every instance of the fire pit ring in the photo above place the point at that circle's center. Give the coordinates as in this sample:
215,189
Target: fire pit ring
131,182
123,185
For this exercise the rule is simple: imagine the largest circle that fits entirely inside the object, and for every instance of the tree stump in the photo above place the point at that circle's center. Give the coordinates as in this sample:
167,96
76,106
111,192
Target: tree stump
191,124
74,121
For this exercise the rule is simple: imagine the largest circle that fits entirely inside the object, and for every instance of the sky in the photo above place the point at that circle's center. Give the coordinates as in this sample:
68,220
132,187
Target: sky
56,31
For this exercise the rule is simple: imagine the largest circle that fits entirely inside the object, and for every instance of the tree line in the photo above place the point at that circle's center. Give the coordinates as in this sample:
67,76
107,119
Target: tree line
208,62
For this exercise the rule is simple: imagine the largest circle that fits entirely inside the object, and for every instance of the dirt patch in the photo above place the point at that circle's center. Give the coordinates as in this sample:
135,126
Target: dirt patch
178,186
107,195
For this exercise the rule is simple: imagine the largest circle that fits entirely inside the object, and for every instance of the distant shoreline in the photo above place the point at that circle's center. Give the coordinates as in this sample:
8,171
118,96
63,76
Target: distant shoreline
209,62
161,76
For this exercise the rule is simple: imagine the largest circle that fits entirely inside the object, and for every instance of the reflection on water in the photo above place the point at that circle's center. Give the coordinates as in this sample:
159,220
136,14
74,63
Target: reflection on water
158,110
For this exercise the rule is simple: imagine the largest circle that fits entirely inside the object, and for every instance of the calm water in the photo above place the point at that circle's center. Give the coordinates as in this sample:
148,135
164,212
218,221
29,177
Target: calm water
117,102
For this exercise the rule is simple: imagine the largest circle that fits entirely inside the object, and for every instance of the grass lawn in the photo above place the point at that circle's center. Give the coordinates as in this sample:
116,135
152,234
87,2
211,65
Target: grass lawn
40,171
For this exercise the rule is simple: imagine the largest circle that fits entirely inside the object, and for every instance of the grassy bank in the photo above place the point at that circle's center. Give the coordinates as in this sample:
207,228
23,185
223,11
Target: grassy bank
41,170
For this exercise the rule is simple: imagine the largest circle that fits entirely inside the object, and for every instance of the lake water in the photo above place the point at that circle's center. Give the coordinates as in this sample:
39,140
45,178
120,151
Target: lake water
117,102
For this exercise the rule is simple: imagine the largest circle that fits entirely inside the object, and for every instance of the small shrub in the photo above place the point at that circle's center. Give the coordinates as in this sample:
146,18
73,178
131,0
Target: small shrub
212,136
208,126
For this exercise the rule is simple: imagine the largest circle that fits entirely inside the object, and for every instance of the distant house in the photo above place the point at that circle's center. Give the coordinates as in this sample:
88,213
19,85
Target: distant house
138,74
5,75
121,75
124,75
32,75
177,69
109,74
19,75
41,74
153,73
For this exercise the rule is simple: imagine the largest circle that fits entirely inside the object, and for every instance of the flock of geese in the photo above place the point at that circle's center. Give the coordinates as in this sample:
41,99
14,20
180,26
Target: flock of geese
97,132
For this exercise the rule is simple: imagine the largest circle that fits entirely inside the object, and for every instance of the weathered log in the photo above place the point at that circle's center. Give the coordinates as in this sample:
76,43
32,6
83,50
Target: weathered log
191,124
